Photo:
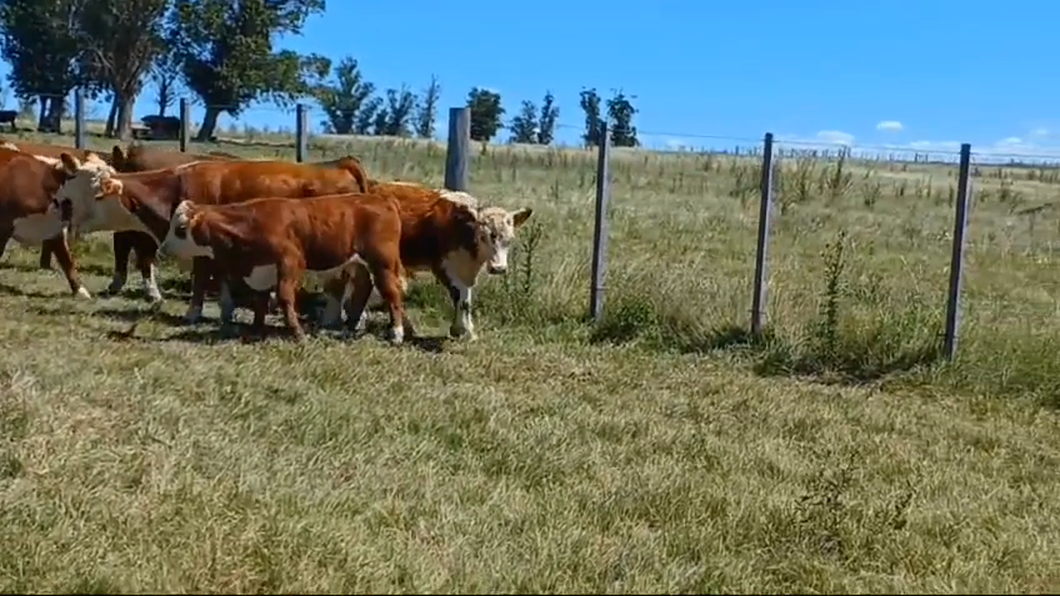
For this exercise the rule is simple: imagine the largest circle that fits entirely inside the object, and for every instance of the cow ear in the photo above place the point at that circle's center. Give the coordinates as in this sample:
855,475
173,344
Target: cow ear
520,216
109,187
70,163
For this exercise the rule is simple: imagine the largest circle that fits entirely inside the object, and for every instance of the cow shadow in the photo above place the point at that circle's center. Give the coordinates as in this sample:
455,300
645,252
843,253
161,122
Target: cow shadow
11,290
211,332
127,315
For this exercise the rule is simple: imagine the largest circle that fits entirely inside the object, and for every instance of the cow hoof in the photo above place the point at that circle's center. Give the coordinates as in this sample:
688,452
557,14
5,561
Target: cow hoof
82,292
154,297
462,333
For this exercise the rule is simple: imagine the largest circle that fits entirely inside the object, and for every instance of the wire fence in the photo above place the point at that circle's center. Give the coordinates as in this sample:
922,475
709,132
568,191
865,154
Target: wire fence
277,125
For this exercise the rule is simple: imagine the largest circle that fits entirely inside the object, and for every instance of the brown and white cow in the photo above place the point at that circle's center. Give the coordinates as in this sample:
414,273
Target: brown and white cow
274,242
436,237
53,152
27,184
96,197
141,158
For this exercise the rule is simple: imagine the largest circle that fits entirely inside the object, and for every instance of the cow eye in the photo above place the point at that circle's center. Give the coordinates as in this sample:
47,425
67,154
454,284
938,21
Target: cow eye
181,231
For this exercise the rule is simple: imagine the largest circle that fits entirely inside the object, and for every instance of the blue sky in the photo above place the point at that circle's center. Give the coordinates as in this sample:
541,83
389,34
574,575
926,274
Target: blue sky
927,74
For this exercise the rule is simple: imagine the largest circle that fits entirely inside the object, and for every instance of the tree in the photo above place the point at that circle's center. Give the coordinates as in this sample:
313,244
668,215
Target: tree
589,100
546,124
400,107
41,41
366,118
486,113
427,114
524,126
165,74
621,112
343,97
122,39
225,48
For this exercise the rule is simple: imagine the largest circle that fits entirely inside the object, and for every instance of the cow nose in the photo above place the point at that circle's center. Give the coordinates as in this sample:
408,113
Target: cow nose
496,269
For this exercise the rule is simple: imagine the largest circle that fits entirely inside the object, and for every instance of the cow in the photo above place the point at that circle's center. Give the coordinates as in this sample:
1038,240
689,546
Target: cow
141,158
27,184
274,242
96,197
446,233
50,151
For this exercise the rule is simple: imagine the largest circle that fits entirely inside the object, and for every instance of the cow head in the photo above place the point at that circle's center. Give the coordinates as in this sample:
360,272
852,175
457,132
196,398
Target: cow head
87,184
496,230
181,241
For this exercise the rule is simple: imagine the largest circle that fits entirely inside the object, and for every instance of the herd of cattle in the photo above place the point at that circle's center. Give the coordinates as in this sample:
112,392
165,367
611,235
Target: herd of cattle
268,224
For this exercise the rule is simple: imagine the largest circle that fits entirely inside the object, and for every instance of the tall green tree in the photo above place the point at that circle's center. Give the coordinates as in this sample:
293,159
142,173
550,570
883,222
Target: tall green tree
122,40
546,123
486,113
226,52
589,100
343,96
427,110
400,109
524,126
620,110
165,74
41,41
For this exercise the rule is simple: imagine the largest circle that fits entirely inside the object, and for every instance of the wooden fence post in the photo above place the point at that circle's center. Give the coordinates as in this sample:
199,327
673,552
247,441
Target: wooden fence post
765,216
960,225
79,118
185,123
600,225
458,151
301,128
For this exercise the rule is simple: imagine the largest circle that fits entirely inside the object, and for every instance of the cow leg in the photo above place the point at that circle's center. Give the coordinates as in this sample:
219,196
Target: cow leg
288,274
45,256
61,249
260,301
146,256
387,279
123,246
227,302
334,292
200,276
460,295
5,236
361,289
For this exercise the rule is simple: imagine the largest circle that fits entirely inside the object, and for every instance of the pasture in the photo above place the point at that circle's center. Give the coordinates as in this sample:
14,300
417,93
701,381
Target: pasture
663,451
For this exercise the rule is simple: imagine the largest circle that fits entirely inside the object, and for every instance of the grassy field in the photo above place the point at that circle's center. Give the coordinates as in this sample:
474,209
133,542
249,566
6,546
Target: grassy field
661,451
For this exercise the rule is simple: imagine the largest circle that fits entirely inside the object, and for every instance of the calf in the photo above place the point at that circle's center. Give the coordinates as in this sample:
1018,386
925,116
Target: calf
445,233
98,198
27,185
274,242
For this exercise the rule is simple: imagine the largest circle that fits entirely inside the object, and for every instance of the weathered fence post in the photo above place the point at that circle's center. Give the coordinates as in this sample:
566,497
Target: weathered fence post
458,152
960,225
765,215
185,123
600,226
79,118
301,129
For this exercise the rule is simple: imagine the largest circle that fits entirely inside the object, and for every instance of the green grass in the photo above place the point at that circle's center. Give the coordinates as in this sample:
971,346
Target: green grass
662,451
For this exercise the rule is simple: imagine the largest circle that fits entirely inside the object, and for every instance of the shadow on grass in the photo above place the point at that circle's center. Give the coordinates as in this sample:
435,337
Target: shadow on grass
27,293
850,365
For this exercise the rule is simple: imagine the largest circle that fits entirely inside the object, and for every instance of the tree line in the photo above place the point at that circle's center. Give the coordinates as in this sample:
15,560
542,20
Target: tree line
222,52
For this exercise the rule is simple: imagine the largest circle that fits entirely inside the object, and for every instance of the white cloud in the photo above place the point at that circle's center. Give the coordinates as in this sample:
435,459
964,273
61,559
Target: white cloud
889,126
1040,132
836,137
